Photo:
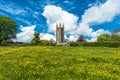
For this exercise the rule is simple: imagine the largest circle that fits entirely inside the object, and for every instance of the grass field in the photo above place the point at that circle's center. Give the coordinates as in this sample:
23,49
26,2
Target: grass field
59,63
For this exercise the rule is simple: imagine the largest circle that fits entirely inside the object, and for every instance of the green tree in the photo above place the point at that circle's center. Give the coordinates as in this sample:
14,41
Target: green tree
45,42
116,35
8,29
36,39
115,38
104,38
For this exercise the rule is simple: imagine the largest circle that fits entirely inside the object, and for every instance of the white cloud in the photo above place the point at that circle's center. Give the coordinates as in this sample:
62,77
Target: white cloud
12,8
84,29
66,1
73,37
47,36
36,17
23,20
55,14
26,35
98,14
103,13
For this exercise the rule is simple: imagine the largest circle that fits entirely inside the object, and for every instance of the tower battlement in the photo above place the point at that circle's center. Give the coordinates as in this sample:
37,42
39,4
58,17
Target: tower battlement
59,33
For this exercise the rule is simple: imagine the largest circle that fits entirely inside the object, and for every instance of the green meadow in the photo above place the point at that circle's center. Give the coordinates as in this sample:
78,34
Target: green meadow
59,63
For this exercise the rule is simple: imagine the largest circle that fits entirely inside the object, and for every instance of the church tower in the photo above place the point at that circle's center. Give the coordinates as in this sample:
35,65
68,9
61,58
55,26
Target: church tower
59,33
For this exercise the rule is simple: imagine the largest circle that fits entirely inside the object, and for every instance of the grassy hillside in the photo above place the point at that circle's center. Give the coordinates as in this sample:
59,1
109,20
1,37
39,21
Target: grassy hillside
59,63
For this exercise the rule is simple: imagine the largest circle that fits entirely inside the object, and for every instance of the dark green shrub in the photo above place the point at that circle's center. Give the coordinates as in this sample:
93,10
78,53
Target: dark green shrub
5,42
95,44
35,41
74,44
44,42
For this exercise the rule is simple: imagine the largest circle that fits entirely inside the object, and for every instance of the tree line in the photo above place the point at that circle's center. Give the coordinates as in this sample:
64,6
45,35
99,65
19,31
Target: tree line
114,37
8,30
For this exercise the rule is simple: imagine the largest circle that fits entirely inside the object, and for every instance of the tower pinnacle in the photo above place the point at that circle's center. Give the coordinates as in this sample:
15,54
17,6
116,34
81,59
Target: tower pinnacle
59,33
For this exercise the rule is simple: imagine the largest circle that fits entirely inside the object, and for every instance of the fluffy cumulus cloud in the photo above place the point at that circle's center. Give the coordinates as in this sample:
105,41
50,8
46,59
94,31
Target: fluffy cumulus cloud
55,14
27,34
73,37
102,13
98,14
47,36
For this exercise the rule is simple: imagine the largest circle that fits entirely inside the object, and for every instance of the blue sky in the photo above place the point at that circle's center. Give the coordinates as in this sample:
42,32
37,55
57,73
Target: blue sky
87,17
